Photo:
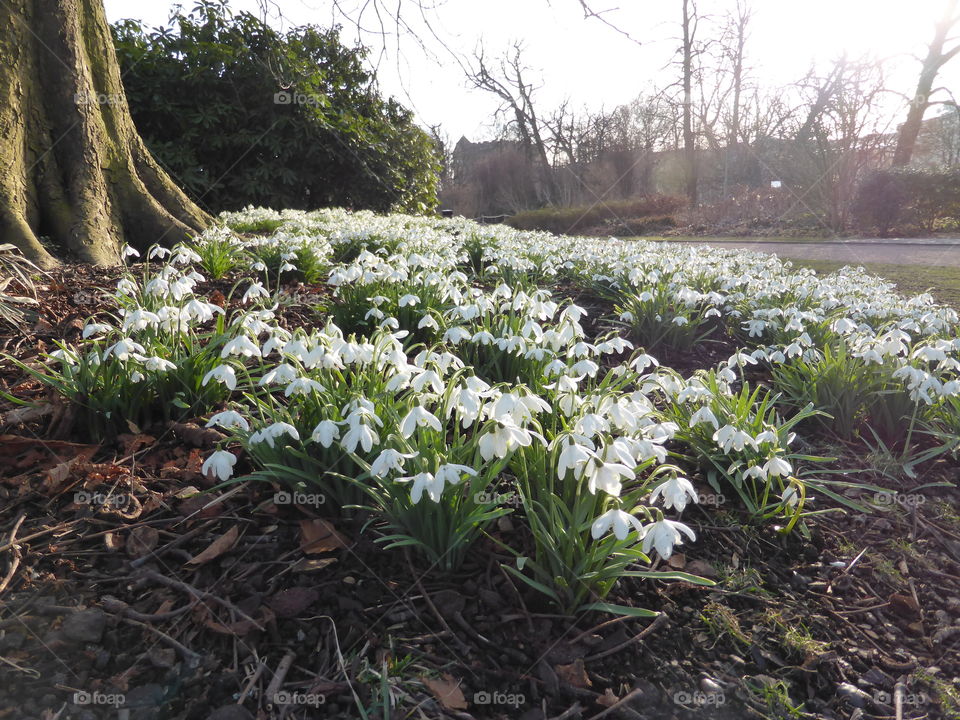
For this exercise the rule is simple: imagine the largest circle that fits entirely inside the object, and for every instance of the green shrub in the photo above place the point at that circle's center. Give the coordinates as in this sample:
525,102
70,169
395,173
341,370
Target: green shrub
623,217
890,199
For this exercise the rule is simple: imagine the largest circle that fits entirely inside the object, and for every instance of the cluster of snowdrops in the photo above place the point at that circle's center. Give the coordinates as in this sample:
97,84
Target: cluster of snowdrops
451,378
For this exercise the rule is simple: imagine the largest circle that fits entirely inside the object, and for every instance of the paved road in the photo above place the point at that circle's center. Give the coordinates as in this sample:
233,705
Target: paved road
857,252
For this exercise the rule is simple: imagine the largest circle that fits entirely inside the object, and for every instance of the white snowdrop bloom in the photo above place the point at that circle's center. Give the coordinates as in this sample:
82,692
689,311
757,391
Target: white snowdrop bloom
228,419
124,349
158,252
158,364
428,321
360,434
283,373
258,266
844,326
183,256
139,319
712,312
503,437
408,300
704,414
129,252
326,432
730,438
201,311
240,345
303,386
136,376
680,321
419,417
287,267
256,290
374,313
125,286
663,535
606,476
777,467
574,456
642,361
388,461
767,436
91,329
272,432
219,464
483,337
296,348
223,374
428,378
585,367
621,522
675,493
457,335
790,497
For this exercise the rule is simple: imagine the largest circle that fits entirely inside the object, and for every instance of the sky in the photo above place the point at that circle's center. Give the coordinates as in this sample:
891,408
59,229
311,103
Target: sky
584,60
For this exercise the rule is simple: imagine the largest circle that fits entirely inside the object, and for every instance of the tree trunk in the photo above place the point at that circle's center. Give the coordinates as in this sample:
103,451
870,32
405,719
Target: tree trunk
936,58
689,140
74,168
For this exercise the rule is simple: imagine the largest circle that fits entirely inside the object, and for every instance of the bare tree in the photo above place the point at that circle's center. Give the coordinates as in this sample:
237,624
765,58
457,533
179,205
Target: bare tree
507,80
937,56
688,50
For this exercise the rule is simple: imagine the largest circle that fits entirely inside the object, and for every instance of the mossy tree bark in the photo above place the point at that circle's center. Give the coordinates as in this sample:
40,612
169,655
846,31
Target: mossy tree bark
72,165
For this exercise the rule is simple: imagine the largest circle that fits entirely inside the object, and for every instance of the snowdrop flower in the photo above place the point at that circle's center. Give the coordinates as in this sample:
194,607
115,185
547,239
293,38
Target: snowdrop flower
663,535
704,414
283,373
620,521
360,434
767,436
643,361
606,476
675,493
287,267
777,467
256,290
129,252
504,437
228,419
139,319
240,345
303,386
157,252
220,464
790,497
457,335
730,438
389,460
325,433
408,300
158,364
123,349
270,433
419,417
573,457
427,321
95,329
223,374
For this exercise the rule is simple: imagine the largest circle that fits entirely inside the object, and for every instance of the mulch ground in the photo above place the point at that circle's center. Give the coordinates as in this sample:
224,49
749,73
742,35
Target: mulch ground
129,588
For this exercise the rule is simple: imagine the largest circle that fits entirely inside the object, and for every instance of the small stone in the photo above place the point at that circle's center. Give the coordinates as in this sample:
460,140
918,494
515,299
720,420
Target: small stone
853,695
85,625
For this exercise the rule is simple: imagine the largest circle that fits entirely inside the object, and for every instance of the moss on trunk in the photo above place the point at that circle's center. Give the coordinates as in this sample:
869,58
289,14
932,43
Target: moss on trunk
75,169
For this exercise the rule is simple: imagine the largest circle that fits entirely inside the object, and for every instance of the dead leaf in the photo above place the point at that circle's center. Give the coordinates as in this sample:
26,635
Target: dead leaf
677,561
293,601
217,548
447,691
318,536
608,699
142,540
574,674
